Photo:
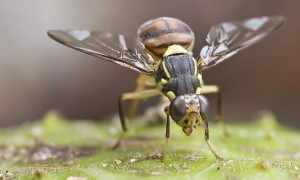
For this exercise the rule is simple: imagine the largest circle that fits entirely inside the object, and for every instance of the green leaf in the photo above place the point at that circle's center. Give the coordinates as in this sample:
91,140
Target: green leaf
56,148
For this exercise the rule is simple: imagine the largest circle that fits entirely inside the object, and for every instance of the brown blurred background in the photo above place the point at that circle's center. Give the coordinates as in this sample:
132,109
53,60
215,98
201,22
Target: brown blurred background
38,75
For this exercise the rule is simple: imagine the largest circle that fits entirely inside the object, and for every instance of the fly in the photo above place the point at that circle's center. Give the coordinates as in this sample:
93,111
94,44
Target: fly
162,54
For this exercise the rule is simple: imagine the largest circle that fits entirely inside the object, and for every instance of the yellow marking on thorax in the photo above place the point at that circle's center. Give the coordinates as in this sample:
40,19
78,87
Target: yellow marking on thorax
166,70
198,91
174,49
171,95
196,67
163,81
161,84
200,79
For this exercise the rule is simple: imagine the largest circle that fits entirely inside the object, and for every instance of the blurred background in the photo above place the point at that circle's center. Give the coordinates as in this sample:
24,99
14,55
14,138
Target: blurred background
38,74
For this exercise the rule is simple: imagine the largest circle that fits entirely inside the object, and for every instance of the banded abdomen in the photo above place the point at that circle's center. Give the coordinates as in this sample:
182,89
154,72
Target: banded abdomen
158,34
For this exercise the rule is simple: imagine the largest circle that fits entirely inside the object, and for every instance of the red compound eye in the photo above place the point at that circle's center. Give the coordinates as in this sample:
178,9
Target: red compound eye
178,108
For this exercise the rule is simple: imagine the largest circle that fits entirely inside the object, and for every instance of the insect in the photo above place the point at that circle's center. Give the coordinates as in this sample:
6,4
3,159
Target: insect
162,54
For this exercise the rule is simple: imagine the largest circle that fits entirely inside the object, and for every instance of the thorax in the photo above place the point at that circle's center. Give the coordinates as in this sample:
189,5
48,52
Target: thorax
178,74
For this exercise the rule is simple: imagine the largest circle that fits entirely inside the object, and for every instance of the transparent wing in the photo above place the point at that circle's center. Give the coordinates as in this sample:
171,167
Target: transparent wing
226,39
124,50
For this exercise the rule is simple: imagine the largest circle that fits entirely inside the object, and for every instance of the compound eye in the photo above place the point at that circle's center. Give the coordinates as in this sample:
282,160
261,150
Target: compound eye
178,108
204,105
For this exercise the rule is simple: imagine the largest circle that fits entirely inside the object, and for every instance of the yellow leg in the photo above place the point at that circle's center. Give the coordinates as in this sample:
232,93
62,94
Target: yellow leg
131,96
142,82
209,89
204,124
218,157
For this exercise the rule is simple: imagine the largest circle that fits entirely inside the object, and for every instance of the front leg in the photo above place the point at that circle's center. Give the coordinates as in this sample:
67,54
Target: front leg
209,89
218,157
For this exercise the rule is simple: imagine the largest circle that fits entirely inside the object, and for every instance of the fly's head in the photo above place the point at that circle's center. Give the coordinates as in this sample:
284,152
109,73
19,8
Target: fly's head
189,111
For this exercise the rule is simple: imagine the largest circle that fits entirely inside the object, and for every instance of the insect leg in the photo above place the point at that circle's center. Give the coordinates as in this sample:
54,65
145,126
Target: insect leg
127,96
218,157
142,82
167,135
209,89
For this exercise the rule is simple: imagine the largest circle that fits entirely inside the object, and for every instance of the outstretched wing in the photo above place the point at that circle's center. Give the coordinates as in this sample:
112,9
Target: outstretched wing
226,39
124,50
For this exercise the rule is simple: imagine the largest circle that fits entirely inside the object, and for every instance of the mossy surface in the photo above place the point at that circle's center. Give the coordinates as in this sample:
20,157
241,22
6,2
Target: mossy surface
56,148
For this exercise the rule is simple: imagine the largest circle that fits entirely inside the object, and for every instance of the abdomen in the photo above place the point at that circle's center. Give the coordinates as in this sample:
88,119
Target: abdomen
160,33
